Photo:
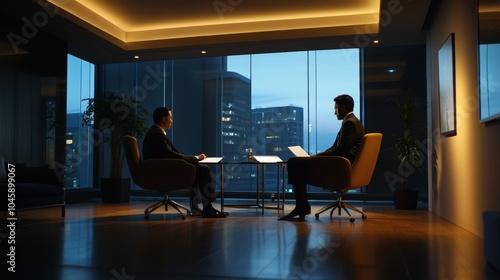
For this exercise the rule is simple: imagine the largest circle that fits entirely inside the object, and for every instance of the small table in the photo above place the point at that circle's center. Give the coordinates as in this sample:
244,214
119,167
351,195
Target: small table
280,165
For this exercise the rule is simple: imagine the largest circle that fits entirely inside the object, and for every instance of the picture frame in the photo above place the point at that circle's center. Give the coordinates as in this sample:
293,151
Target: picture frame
446,79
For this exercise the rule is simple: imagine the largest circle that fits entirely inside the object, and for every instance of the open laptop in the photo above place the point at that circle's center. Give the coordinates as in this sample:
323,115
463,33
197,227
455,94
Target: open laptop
298,151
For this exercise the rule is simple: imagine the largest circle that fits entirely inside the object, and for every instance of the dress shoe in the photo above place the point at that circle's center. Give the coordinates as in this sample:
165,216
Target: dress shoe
213,213
196,211
301,213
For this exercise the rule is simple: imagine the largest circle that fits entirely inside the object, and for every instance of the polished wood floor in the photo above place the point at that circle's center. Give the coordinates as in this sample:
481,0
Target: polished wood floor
113,241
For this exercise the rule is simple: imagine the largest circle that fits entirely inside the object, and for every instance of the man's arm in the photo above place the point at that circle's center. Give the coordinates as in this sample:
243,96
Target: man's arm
347,137
173,153
157,145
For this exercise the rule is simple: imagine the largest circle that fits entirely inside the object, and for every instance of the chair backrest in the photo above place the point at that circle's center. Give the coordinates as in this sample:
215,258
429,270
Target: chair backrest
132,155
162,174
363,166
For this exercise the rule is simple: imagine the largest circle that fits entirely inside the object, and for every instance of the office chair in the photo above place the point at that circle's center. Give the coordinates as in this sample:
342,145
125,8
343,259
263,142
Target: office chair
160,174
337,174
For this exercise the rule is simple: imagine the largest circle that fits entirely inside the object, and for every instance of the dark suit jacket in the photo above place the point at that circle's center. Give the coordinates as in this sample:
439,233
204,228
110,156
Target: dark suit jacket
157,145
349,139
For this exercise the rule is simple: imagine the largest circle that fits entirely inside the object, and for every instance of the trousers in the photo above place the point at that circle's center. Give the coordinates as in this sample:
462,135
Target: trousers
298,172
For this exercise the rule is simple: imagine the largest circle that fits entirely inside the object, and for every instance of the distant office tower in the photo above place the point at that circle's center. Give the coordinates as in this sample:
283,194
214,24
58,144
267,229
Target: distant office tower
228,109
227,126
276,128
79,153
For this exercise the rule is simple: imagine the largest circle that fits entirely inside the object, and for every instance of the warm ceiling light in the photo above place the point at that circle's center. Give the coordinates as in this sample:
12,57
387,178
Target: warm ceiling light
153,21
375,41
136,56
203,52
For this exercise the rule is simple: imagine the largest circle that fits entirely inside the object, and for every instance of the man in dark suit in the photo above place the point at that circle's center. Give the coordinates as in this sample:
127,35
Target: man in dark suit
157,145
347,144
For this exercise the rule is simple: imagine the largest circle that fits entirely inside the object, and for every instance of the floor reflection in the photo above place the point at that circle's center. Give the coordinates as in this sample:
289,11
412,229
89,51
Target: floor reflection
106,241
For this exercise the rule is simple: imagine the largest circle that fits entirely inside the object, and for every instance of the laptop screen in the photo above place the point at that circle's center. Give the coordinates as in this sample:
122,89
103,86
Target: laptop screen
298,151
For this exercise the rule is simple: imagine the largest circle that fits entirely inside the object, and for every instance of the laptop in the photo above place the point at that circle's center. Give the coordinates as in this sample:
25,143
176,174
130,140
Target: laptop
298,151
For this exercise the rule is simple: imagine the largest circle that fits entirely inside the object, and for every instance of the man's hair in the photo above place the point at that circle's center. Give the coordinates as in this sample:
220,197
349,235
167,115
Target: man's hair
159,113
346,100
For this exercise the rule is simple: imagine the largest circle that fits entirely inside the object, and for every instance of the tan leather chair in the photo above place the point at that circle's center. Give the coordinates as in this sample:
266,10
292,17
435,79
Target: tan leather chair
337,174
160,174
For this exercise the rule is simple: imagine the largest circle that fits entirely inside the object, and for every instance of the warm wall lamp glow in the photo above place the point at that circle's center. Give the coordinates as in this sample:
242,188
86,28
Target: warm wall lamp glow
203,52
136,56
375,41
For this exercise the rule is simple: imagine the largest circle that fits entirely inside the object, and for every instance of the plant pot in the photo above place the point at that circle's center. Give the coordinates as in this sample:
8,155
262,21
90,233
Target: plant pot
115,190
405,199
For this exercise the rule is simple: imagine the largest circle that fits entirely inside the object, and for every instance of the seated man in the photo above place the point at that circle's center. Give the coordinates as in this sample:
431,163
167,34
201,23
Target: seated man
347,144
157,145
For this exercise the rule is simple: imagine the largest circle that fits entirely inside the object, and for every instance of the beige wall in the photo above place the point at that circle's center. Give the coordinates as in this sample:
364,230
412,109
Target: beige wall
468,181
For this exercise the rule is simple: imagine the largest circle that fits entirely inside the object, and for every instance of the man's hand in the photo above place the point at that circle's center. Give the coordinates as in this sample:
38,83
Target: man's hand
201,156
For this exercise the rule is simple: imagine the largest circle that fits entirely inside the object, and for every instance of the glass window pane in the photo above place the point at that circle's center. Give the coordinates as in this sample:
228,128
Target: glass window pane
291,104
336,74
79,145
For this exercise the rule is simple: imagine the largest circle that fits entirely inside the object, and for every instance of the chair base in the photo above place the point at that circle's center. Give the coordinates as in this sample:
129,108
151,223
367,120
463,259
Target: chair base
167,201
340,204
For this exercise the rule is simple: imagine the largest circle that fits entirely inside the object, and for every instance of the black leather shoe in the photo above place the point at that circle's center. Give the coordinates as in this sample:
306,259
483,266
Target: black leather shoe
196,211
301,213
213,213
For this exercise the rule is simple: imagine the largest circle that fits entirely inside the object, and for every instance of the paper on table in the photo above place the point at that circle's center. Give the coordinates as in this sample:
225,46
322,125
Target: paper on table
267,159
211,160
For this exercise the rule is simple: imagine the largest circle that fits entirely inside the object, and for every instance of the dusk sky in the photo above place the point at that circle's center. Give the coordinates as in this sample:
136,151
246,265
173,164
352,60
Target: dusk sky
282,79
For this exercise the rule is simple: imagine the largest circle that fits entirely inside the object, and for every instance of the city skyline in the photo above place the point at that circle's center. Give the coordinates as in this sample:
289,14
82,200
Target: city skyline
309,80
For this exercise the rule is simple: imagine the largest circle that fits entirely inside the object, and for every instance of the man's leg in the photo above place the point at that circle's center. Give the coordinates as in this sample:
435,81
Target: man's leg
297,176
195,199
206,184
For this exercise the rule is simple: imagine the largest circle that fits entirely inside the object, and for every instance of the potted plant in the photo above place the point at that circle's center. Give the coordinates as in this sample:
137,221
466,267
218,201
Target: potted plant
113,116
407,152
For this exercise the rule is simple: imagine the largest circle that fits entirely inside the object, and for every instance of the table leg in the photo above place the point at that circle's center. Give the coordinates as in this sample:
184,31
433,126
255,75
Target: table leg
263,186
222,188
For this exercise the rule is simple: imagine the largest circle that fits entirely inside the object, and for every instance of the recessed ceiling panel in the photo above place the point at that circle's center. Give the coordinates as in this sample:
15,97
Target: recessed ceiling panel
132,21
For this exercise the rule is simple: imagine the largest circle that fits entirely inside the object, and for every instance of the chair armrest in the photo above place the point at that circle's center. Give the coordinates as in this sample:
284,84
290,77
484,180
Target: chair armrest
162,174
329,172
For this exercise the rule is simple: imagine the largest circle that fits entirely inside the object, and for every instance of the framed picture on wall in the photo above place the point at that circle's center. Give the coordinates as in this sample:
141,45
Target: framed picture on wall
446,78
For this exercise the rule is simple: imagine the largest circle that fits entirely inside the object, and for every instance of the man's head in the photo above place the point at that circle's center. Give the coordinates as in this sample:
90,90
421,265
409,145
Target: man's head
162,116
344,104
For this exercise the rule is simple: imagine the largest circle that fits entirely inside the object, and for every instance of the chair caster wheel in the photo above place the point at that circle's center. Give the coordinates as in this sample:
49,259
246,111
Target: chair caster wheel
146,217
316,215
363,217
352,220
183,216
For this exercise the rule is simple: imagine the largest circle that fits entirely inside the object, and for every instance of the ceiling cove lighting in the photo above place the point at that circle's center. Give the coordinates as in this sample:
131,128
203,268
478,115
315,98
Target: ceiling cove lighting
137,22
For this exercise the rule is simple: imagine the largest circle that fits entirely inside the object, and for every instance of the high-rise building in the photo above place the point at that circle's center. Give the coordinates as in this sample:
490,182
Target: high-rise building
274,129
78,154
229,134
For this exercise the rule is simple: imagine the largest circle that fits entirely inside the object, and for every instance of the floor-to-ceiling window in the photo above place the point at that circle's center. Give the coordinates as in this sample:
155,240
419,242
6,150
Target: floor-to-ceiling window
79,144
290,103
222,106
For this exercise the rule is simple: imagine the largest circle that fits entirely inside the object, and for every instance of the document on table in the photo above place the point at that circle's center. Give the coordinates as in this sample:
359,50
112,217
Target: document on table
267,159
211,160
